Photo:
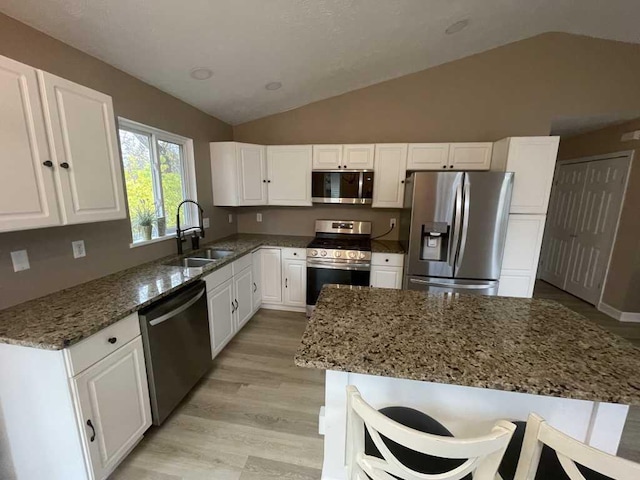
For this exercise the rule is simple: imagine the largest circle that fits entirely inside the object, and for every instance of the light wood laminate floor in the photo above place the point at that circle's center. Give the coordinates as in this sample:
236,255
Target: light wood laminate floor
255,415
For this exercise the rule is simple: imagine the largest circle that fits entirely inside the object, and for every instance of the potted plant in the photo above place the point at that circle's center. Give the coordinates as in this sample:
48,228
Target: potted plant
145,218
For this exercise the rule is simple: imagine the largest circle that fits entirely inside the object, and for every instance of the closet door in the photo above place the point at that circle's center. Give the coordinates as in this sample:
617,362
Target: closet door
561,222
27,192
596,225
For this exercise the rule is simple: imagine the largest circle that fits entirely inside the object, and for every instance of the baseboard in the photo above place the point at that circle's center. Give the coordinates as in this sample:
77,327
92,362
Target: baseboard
619,315
284,308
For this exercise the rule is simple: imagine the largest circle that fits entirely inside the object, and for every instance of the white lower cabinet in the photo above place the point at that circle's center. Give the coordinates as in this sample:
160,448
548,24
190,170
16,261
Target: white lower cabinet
295,282
271,265
256,265
243,289
386,270
113,401
220,301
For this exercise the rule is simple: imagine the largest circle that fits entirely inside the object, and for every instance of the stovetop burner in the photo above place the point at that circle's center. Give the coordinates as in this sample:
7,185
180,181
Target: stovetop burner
339,240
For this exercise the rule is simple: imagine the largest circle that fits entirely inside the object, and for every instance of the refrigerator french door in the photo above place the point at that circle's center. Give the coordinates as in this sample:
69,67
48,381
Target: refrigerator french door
453,228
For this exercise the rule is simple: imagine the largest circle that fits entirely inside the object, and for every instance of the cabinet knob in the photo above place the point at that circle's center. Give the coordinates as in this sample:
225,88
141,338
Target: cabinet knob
264,181
48,163
450,166
268,181
339,166
64,165
444,166
112,340
401,181
295,253
386,259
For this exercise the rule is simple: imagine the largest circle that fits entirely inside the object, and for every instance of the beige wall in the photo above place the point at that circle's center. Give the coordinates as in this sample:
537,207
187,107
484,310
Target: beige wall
622,288
516,89
301,220
107,244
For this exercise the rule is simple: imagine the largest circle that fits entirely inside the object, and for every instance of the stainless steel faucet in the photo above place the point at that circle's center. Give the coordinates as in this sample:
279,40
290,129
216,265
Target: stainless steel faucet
199,230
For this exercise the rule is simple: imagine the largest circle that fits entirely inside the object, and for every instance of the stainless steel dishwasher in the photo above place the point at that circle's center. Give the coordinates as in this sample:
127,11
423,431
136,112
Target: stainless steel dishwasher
177,347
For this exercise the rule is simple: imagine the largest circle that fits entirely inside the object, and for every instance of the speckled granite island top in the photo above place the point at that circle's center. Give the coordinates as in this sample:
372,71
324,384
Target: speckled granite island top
513,344
63,318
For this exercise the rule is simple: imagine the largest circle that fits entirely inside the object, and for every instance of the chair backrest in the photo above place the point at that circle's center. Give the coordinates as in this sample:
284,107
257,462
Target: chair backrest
483,454
570,452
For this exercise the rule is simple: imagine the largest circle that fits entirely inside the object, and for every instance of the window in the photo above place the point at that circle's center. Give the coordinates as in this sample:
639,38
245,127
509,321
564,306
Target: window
159,173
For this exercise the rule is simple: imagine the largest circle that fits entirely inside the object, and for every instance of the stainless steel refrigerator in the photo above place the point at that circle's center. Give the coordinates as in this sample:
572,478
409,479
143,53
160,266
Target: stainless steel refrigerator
453,228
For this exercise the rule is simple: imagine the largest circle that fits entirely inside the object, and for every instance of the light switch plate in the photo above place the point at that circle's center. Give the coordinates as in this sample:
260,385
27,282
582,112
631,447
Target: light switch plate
205,222
258,217
78,249
20,260
231,218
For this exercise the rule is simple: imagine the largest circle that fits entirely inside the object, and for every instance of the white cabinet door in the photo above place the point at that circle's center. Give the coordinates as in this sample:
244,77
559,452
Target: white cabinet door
390,170
252,174
428,156
114,409
256,265
514,283
359,157
289,175
295,282
386,277
470,156
327,157
84,150
533,161
243,289
27,191
271,275
221,306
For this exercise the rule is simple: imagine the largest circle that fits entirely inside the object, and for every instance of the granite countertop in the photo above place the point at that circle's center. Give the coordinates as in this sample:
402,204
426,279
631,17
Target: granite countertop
513,344
63,318
386,246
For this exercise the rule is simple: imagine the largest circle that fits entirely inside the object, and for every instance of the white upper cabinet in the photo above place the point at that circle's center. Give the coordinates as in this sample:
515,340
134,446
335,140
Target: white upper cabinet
358,156
470,156
533,160
428,156
238,174
327,157
390,171
27,191
336,157
289,175
84,150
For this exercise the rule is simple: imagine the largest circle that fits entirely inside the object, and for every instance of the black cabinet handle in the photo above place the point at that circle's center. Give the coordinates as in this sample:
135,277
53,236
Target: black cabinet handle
264,181
255,287
268,181
286,283
295,253
93,430
339,166
48,163
450,166
64,165
233,307
237,304
401,181
112,340
444,166
386,259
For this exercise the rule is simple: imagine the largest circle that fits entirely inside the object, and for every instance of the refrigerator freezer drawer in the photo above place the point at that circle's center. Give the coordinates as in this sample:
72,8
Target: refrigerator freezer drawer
448,285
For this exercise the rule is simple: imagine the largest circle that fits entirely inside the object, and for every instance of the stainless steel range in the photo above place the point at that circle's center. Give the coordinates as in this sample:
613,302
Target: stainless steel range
340,254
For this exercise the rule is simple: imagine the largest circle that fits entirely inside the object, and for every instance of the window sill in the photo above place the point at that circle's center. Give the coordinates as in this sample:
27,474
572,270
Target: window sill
143,243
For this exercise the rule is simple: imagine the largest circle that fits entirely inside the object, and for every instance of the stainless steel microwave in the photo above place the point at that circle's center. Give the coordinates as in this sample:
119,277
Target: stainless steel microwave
342,186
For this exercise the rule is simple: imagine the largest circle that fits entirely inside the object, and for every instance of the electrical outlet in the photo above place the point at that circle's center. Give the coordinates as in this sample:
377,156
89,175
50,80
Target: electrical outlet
258,217
205,222
231,218
78,249
20,260
392,223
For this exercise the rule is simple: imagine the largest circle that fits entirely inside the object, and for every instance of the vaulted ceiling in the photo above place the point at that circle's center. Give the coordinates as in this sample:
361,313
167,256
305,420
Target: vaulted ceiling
315,48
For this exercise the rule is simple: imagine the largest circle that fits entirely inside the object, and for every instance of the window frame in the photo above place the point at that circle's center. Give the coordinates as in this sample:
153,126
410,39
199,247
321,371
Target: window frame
188,170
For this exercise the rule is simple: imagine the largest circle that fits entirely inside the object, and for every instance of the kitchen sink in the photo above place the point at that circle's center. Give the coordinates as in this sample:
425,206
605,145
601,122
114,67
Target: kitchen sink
191,262
213,254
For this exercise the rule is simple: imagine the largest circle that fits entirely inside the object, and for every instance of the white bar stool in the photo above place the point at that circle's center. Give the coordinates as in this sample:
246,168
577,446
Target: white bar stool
400,442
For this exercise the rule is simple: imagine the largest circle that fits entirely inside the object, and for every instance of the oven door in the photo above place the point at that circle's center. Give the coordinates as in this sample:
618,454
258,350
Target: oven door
351,186
341,273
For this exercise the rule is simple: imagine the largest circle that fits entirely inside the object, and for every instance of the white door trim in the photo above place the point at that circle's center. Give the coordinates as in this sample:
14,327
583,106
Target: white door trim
629,154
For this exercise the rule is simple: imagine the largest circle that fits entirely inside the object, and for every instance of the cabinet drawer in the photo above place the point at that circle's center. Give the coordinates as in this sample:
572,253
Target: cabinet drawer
294,253
218,277
93,349
241,264
387,259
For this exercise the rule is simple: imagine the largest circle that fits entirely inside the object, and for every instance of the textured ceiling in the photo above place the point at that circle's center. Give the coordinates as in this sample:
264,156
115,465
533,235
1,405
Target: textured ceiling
316,48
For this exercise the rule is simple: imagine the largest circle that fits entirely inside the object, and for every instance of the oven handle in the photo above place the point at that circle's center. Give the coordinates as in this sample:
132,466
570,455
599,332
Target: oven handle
339,266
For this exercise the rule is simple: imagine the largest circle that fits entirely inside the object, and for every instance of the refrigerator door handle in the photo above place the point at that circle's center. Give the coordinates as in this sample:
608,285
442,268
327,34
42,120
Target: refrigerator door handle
480,286
457,220
465,221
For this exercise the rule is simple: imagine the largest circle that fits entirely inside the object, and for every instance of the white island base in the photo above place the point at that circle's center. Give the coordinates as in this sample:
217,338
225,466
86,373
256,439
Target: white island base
465,411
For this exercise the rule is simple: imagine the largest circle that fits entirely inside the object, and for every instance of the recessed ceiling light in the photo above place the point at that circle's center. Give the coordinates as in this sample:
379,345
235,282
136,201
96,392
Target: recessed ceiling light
201,73
273,85
456,27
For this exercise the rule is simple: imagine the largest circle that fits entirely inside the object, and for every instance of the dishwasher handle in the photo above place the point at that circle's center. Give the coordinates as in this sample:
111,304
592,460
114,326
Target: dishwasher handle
181,308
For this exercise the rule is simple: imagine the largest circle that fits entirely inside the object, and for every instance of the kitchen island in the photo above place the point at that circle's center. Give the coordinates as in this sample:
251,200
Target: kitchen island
468,361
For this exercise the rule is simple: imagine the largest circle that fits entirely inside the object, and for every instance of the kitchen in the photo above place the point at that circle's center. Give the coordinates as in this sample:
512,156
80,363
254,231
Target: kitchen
262,269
